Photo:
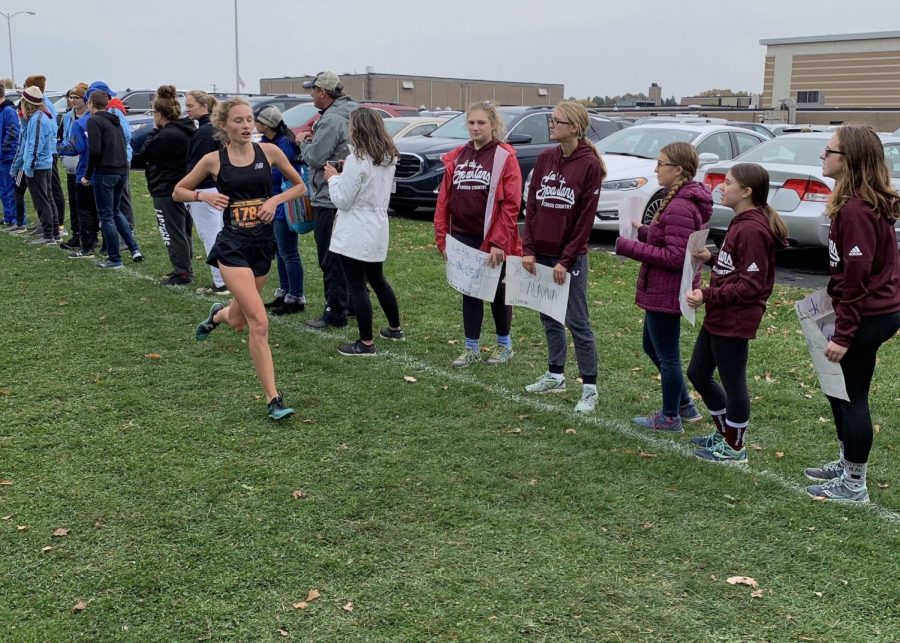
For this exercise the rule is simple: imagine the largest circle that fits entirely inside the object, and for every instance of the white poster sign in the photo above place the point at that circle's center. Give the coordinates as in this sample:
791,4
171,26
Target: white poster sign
816,317
696,242
468,271
630,210
538,292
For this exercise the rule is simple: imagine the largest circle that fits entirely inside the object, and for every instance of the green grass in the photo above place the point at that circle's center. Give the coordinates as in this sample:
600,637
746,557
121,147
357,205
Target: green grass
452,508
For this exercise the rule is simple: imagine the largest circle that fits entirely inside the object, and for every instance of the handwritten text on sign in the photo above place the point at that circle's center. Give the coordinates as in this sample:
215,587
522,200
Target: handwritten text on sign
468,271
538,292
817,322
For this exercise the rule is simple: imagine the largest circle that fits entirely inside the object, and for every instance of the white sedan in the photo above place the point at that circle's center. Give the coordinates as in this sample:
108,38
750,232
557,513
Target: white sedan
404,126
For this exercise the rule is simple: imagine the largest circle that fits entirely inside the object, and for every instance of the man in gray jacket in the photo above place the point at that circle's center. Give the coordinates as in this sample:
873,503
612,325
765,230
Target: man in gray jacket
328,142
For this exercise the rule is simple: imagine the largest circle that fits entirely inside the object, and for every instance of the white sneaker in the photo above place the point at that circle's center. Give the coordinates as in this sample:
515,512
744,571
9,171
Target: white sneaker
546,383
588,401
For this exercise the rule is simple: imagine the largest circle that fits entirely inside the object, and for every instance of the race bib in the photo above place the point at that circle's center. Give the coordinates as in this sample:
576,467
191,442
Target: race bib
245,214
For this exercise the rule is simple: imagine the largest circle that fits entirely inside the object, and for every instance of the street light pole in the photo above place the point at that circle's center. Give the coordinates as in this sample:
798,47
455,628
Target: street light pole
237,60
9,17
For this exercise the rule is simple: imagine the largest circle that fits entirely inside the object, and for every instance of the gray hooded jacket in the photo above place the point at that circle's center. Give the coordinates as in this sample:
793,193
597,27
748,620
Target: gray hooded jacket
331,136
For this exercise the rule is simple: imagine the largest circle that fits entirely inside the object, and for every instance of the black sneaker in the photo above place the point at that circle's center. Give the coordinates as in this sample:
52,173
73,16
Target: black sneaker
137,256
278,410
207,326
82,254
278,301
72,244
288,308
396,335
178,279
357,349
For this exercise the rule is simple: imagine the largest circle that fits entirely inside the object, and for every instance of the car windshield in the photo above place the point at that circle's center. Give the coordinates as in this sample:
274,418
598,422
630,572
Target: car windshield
393,126
456,127
791,151
299,114
643,142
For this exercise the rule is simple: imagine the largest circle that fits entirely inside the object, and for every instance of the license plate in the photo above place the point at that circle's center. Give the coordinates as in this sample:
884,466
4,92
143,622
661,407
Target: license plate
393,187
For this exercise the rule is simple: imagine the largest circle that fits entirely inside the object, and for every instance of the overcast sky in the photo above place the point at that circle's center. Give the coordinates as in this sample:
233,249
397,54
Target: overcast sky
593,47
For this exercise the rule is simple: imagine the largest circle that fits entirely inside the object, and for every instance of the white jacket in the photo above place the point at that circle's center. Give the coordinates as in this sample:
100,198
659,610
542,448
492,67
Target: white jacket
361,194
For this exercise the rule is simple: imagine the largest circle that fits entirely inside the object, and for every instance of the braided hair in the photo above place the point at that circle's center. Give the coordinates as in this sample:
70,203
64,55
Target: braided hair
683,155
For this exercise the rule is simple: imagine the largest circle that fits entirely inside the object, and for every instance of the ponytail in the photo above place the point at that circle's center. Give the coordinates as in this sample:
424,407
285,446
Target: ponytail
776,223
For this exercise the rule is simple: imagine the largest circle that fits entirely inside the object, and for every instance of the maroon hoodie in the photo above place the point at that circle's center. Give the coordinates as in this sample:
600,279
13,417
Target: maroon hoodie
471,179
865,268
562,203
743,276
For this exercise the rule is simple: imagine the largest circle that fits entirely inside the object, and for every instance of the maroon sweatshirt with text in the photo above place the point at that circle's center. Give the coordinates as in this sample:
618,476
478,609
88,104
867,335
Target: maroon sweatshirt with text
865,268
743,276
562,203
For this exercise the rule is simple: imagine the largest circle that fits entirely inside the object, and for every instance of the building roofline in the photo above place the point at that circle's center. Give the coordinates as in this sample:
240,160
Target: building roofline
418,77
872,35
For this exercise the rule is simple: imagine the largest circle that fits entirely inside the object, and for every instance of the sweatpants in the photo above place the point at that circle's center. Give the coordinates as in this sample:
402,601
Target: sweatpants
175,230
473,308
85,210
21,212
852,419
577,321
334,281
729,355
208,222
56,191
71,187
41,195
358,274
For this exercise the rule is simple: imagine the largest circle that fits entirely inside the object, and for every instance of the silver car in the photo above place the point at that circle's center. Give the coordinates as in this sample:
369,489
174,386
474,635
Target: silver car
797,188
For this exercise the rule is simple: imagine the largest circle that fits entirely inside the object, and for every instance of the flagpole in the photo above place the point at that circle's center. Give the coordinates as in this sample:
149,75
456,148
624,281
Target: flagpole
237,60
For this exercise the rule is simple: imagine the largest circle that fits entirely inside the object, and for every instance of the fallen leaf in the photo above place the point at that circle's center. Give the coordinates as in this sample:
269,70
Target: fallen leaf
769,378
5,483
713,577
62,531
313,595
819,594
779,454
516,430
523,416
5,391
821,419
349,606
742,580
883,485
453,341
756,447
648,525
97,524
302,605
282,631
571,432
21,527
410,379
309,421
44,550
299,493
80,606
7,517
533,482
647,454
152,355
636,369
876,428
757,593
445,387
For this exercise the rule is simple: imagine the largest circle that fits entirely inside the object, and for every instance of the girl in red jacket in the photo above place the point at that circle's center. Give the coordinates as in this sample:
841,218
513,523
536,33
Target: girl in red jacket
660,248
865,291
559,215
743,275
465,211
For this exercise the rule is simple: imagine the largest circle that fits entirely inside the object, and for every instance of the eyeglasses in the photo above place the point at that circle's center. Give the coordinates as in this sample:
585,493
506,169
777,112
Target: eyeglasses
663,163
829,151
556,121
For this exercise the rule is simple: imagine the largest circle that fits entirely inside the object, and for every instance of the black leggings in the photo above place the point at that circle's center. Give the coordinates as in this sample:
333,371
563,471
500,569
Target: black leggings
358,273
729,356
473,308
852,419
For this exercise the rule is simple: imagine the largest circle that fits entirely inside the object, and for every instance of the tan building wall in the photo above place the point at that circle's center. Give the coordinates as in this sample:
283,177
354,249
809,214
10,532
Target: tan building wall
849,70
433,92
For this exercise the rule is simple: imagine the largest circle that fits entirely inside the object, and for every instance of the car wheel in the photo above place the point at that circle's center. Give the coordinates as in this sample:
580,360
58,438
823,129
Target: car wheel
652,207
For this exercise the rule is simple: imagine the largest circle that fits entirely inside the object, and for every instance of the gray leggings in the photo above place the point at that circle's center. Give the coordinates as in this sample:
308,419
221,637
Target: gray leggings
577,321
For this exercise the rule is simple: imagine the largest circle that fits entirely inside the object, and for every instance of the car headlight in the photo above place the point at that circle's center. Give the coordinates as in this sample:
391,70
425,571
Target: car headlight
624,184
435,158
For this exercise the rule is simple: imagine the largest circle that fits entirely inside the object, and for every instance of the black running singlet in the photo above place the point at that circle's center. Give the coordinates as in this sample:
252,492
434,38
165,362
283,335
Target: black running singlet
247,188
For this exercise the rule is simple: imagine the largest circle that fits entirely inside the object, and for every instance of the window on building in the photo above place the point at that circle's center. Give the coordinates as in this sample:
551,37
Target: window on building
407,84
809,98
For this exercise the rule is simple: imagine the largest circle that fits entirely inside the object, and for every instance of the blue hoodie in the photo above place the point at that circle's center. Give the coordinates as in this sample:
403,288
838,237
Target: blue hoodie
291,150
10,128
77,145
42,130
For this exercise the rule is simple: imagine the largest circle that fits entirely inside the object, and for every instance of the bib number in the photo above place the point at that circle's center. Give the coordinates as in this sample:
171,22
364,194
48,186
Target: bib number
245,214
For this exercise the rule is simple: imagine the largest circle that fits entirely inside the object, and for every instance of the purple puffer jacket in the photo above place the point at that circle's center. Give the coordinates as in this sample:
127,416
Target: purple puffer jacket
661,246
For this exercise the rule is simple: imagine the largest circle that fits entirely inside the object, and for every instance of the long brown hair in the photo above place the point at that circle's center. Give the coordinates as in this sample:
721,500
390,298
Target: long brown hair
369,137
866,174
579,118
683,155
756,178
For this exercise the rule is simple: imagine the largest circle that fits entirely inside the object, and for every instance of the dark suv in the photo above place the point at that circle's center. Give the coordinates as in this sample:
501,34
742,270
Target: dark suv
420,169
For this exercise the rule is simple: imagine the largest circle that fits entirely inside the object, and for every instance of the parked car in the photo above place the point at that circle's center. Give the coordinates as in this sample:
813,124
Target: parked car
440,113
389,110
405,126
420,169
759,128
780,129
138,101
630,156
282,101
797,188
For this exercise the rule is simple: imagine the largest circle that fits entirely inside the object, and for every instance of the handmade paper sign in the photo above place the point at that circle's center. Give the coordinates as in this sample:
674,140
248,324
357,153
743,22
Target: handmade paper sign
696,242
538,292
468,271
816,317
630,210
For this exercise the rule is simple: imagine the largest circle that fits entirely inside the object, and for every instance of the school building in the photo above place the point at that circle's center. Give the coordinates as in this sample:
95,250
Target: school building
431,91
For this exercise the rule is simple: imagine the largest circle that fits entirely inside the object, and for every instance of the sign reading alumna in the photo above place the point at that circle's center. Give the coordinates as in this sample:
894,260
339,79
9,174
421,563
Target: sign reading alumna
538,292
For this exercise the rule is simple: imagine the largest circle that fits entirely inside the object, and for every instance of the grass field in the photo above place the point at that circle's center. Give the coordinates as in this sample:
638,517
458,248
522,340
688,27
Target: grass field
454,507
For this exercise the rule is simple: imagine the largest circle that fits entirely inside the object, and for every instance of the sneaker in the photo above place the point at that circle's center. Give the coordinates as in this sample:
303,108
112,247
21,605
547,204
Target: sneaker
722,453
220,290
708,441
278,301
837,490
82,254
288,308
137,256
109,265
826,472
357,349
690,413
42,242
500,355
659,422
546,383
325,322
71,244
395,335
207,326
179,279
17,229
468,358
278,410
588,401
